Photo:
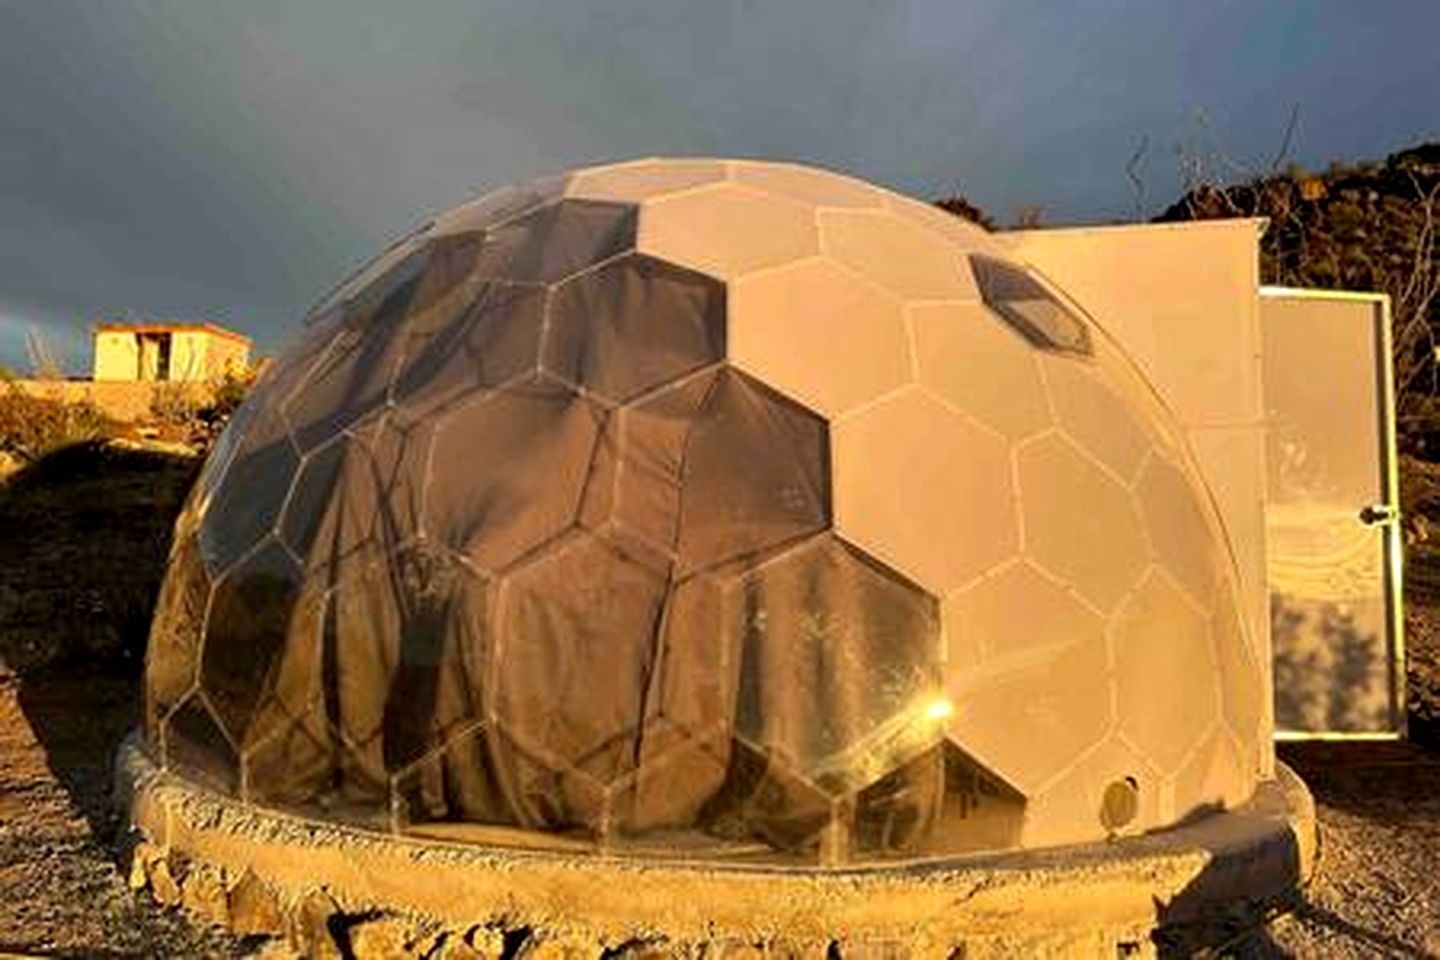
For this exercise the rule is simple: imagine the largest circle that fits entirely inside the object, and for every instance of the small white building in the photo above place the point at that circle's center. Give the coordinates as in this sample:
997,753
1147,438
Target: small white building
186,352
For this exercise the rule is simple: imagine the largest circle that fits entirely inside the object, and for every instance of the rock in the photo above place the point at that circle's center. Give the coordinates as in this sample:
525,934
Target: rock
794,949
734,950
309,927
559,948
162,883
254,908
379,938
142,855
203,895
656,949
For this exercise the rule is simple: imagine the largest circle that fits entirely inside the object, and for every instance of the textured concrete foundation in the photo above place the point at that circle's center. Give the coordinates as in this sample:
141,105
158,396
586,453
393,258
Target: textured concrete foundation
333,890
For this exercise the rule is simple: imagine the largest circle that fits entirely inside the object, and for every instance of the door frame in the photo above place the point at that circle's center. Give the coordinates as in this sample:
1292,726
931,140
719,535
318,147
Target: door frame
1394,539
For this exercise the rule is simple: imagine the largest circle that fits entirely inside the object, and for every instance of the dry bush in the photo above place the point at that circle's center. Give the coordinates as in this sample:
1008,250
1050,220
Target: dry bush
31,427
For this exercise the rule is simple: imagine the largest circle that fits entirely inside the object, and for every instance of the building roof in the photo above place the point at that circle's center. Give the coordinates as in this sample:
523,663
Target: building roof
162,327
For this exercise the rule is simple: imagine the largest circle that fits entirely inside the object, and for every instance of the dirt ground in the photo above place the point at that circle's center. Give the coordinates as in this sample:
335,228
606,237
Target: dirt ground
73,611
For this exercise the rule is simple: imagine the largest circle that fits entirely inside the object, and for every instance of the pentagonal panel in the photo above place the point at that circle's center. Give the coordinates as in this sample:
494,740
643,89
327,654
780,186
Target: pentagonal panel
820,334
499,206
980,366
556,241
1166,671
172,655
1023,302
257,611
755,474
1080,524
910,262
578,610
1216,777
193,743
727,230
1095,416
923,488
353,376
1029,720
1014,614
818,188
494,341
1074,808
245,506
1187,545
529,448
634,324
644,180
1242,683
839,664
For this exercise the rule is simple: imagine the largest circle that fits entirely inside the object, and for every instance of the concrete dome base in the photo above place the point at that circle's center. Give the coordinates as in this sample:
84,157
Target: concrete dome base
325,887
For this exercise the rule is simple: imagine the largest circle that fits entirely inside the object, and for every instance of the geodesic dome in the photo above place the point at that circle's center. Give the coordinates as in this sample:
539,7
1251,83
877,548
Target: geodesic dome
702,508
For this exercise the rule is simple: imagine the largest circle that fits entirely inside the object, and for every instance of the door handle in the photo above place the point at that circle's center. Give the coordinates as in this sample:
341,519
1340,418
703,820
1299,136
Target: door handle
1377,513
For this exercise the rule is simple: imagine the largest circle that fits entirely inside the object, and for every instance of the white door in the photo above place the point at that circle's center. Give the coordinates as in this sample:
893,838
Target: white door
1331,514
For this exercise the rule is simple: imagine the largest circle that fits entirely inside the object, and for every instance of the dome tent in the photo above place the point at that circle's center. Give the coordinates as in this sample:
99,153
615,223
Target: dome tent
729,509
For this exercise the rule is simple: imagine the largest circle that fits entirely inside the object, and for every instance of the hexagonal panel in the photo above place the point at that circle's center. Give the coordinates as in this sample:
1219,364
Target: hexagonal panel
818,188
644,179
1013,615
307,764
551,243
530,446
579,610
460,781
923,488
1186,543
1215,778
360,489
1021,300
1080,524
499,206
980,366
246,504
494,341
941,803
411,639
332,306
962,233
1028,721
193,743
353,376
839,664
909,261
755,474
1166,672
258,610
762,798
1095,416
820,334
634,324
679,773
172,654
727,230
1073,808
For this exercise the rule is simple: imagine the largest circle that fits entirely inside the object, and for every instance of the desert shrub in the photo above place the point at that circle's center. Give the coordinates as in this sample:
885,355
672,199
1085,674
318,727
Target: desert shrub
31,427
226,396
173,402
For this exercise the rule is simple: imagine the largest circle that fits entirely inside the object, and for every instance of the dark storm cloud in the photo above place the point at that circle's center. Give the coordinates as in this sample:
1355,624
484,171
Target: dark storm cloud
231,160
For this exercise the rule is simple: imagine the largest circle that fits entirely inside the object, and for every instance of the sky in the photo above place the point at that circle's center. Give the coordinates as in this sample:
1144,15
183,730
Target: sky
230,161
